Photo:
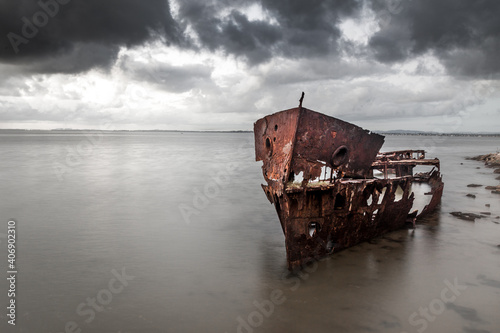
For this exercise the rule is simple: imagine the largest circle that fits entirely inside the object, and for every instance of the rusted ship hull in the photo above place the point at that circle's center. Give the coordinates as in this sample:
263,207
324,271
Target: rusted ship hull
338,202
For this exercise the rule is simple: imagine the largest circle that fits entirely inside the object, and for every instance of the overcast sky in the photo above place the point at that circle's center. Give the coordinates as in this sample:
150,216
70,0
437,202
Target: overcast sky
220,65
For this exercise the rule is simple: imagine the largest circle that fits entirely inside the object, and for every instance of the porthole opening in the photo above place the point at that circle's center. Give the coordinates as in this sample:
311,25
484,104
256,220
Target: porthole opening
340,156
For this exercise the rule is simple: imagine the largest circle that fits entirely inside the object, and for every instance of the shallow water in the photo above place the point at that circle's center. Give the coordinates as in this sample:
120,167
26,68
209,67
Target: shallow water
183,218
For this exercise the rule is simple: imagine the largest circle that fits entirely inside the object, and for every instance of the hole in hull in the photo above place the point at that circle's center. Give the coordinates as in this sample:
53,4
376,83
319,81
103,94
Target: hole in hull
369,201
339,201
330,245
399,194
314,228
381,196
269,147
421,199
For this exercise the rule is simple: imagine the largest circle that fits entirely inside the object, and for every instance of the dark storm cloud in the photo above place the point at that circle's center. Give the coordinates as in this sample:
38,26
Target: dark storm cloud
80,57
89,31
302,29
311,26
233,33
72,36
464,35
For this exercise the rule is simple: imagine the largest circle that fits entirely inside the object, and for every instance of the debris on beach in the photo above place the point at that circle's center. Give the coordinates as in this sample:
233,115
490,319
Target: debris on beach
474,185
471,196
466,216
331,186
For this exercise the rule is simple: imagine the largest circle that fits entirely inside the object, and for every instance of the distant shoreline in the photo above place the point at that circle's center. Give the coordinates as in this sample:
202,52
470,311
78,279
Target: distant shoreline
441,134
117,131
394,133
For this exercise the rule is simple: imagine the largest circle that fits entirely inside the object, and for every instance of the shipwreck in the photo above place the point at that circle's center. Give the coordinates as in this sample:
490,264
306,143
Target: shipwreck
332,187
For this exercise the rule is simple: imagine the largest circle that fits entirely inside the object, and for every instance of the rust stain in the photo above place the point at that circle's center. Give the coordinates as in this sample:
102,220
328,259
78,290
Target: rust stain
331,186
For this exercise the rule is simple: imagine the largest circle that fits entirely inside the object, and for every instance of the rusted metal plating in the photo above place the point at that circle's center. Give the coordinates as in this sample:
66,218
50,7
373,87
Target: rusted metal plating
330,185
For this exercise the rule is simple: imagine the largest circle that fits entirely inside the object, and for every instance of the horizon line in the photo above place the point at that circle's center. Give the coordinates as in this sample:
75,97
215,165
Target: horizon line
387,132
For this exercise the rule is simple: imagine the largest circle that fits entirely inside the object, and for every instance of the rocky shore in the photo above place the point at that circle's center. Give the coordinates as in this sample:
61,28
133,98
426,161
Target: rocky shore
492,161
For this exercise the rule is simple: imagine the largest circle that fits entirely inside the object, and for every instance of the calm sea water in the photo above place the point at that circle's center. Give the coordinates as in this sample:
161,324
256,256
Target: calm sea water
171,232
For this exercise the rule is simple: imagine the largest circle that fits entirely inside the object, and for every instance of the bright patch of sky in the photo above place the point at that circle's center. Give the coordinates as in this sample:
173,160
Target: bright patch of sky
360,29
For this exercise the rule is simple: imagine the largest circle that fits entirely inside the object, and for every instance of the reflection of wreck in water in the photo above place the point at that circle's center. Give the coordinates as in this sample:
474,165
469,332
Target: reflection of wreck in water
330,185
